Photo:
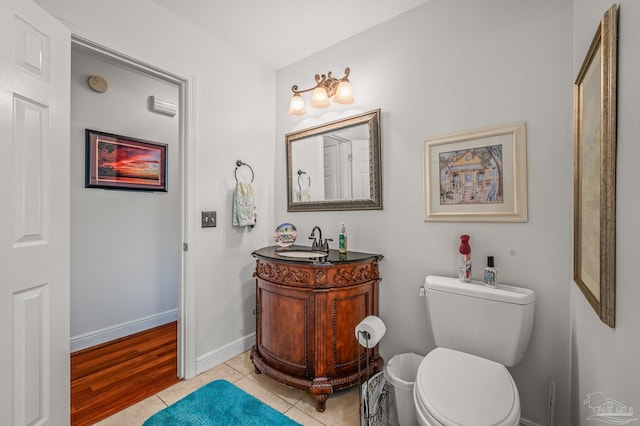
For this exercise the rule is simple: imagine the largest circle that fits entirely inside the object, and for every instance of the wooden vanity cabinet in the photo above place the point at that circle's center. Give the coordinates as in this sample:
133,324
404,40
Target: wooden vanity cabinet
306,316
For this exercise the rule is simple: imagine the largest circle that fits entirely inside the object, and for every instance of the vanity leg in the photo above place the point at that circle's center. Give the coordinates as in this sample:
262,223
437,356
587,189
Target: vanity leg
321,401
321,389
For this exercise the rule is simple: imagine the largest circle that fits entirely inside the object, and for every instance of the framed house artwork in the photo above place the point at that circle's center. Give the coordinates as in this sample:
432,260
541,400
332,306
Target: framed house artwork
476,176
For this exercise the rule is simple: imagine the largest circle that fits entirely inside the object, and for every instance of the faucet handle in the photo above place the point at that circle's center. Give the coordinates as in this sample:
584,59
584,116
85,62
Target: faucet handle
314,244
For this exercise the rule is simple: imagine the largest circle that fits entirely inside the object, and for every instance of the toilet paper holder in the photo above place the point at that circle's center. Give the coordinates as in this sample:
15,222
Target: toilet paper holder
370,331
366,336
378,329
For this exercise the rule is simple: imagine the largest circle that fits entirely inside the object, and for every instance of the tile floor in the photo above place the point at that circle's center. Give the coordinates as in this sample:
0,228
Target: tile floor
342,406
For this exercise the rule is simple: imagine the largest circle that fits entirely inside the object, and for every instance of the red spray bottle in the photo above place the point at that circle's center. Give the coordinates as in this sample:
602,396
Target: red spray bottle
464,259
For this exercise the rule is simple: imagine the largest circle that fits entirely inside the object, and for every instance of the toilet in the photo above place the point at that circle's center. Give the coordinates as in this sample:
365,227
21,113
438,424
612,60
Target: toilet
478,332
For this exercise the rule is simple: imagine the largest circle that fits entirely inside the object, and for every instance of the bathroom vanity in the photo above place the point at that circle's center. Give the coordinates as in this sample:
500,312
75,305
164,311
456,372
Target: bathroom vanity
306,314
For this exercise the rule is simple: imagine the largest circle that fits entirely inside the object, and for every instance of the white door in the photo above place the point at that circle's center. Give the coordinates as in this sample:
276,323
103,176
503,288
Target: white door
337,168
360,165
34,216
331,169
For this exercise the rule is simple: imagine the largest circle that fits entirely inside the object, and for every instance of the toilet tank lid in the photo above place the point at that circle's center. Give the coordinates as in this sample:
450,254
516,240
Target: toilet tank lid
503,293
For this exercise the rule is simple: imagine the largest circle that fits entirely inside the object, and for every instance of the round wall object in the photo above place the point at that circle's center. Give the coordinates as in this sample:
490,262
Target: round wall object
97,83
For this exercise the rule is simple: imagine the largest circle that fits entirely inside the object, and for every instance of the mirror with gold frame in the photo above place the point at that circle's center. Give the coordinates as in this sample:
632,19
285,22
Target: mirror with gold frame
335,166
594,236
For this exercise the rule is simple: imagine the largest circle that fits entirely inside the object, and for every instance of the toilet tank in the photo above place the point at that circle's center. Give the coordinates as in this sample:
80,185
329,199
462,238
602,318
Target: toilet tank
493,323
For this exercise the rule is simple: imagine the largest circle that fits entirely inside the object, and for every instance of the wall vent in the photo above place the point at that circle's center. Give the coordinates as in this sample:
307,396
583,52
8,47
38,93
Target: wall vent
162,107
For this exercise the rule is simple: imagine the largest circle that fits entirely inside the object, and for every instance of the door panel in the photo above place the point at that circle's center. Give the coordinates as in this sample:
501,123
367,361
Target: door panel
31,212
31,49
285,326
34,216
348,306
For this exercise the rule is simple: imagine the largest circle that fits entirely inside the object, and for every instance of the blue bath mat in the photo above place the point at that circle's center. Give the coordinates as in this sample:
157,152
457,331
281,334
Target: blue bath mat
219,403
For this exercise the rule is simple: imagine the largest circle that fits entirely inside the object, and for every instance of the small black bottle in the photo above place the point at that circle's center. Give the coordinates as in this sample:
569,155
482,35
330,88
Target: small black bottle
490,273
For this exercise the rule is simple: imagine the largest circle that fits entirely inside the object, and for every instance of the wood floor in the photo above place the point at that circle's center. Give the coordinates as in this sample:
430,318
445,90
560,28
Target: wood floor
110,377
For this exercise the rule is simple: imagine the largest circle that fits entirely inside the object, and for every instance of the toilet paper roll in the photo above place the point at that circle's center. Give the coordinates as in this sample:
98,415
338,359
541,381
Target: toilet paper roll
373,327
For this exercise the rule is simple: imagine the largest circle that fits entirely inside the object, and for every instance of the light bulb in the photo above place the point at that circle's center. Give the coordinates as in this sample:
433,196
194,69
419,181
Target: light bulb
319,98
296,106
344,93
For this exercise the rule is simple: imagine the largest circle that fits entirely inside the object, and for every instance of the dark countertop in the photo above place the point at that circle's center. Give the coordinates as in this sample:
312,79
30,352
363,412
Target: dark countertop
334,257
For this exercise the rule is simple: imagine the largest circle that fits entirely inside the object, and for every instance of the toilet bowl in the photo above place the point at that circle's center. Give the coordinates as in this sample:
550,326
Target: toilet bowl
454,388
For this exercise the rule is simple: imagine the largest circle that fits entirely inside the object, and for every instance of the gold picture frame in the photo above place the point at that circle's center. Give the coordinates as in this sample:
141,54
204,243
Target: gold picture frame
594,105
477,175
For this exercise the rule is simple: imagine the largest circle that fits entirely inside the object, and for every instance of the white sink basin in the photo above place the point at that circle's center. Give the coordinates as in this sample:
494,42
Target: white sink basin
302,254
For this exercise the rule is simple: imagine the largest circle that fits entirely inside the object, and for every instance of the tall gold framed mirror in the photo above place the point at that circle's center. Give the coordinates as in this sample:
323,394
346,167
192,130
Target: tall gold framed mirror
594,236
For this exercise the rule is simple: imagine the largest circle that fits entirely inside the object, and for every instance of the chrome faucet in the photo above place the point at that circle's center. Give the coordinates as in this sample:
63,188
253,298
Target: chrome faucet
318,244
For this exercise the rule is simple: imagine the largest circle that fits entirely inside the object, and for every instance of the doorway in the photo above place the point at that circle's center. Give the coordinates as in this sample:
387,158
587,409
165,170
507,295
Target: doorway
177,199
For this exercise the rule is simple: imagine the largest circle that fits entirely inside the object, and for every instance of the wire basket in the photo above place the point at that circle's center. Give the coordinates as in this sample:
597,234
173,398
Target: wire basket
376,407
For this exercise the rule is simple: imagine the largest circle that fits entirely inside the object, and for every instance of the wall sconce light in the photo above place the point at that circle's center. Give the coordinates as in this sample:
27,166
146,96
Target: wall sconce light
326,87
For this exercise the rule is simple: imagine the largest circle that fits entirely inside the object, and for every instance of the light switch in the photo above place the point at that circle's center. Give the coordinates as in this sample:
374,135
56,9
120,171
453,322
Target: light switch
208,219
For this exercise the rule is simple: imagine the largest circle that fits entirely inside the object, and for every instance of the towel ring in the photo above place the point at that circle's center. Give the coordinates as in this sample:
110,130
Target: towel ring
240,164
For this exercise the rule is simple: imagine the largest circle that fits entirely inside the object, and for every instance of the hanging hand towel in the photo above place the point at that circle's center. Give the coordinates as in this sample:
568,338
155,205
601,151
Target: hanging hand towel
244,209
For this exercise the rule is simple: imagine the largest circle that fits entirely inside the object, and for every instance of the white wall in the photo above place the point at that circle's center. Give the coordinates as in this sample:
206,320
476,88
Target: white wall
447,66
230,90
125,245
604,359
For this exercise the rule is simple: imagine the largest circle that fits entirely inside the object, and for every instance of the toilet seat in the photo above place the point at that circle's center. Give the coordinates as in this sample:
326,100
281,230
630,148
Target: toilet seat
454,388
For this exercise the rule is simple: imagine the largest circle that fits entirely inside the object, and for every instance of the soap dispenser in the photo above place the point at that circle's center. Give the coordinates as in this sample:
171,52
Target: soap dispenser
342,239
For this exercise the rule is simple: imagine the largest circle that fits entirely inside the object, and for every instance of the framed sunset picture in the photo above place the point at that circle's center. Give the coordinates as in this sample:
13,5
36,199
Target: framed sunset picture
120,162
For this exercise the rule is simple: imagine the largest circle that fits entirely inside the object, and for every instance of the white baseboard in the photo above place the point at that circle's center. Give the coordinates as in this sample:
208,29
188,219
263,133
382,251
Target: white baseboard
225,353
525,422
107,334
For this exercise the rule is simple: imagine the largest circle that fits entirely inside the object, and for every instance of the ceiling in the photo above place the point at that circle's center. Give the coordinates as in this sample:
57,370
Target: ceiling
281,32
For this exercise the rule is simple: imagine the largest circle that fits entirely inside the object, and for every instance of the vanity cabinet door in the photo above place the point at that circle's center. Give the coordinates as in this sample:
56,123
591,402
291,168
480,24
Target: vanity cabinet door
344,308
284,329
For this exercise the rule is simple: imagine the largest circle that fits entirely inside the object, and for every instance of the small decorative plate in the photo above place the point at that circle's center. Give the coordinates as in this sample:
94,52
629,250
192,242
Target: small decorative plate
285,234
